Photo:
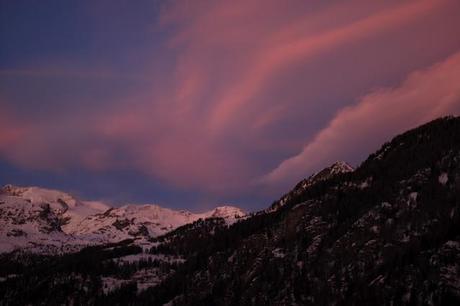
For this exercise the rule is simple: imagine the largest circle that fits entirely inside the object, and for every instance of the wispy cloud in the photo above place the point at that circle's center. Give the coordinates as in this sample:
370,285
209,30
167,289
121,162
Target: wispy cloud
303,47
227,90
358,129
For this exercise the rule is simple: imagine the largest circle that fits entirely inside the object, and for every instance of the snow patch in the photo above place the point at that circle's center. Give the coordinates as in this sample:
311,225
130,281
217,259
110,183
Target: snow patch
443,178
110,284
413,196
278,253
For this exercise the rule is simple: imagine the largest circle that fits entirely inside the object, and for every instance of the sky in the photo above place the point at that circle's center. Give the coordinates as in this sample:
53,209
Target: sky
194,104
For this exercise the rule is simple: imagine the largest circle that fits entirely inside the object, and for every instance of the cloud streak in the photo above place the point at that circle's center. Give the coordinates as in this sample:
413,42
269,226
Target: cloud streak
423,96
285,52
215,94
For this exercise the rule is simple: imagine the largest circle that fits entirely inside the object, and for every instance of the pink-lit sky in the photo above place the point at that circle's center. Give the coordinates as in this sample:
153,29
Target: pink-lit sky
195,103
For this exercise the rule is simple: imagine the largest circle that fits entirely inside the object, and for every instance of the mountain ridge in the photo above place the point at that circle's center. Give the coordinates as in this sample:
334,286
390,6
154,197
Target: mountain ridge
337,168
62,219
386,233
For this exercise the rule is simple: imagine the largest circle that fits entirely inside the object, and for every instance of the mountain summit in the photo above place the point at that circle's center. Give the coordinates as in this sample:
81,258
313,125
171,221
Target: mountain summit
337,168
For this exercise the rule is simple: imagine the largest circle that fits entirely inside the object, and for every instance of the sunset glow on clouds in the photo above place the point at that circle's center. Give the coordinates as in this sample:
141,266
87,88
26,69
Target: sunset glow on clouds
382,113
234,100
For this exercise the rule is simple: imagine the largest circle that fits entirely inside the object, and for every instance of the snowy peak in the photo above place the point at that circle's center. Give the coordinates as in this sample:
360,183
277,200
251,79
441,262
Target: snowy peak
58,200
341,167
37,219
67,208
143,221
226,212
131,221
231,214
60,203
33,216
336,168
38,195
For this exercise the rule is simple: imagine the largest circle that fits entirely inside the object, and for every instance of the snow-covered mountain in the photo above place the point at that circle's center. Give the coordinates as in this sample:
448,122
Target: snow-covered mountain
143,221
50,221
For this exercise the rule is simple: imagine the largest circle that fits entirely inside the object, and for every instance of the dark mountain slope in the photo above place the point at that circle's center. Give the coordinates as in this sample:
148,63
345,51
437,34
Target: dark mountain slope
385,233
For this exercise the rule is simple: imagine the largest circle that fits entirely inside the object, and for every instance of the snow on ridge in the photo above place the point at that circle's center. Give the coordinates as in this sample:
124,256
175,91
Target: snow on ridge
443,178
40,195
38,218
147,220
231,214
341,167
97,205
336,168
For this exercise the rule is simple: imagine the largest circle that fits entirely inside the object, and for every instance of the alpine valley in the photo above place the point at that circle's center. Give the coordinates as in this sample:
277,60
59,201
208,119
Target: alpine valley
385,233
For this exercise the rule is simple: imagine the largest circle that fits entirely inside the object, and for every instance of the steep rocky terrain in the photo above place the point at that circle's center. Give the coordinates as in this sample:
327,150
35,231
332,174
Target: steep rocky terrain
387,233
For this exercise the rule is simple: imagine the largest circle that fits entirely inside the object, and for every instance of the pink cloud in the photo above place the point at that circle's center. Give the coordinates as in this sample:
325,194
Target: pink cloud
10,130
423,96
243,86
280,53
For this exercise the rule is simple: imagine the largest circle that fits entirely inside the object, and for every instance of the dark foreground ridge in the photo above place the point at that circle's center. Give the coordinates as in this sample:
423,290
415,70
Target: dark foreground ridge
387,233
